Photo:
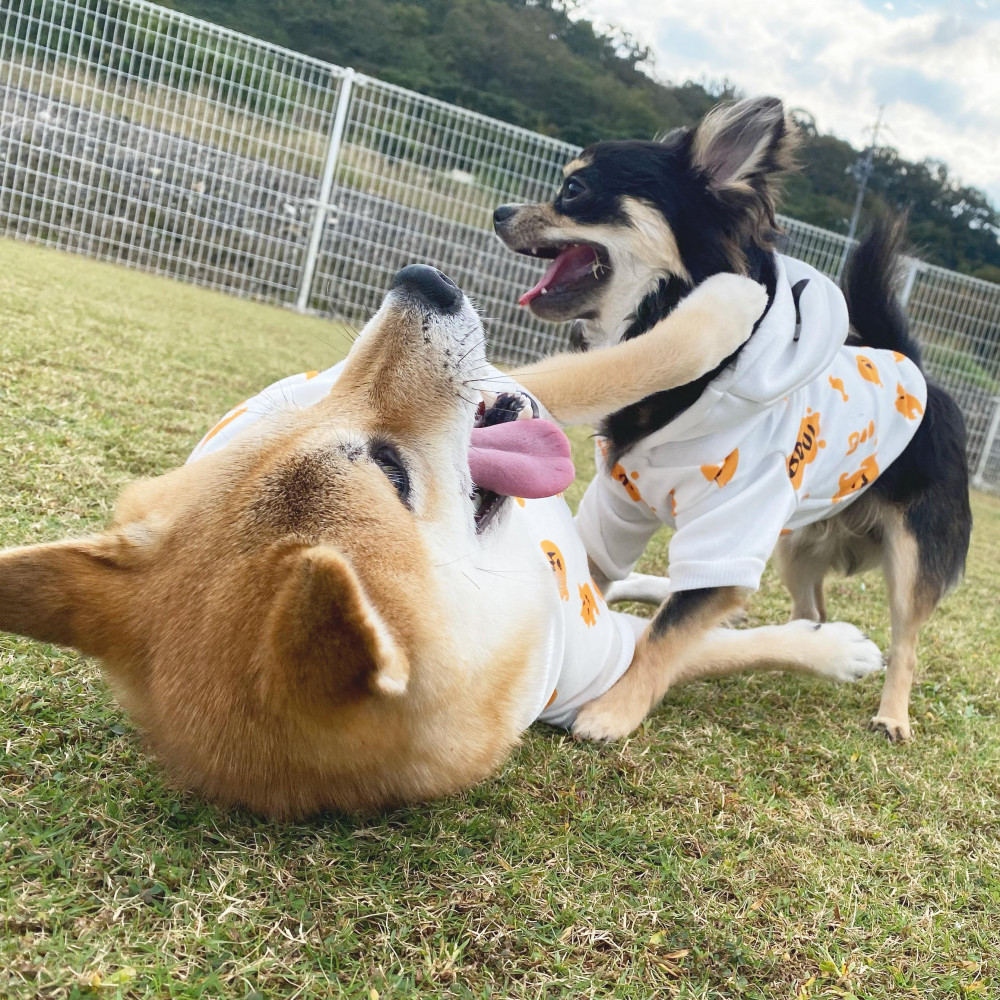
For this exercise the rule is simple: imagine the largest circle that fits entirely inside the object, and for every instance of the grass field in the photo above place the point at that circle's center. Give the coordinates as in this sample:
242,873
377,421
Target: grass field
752,840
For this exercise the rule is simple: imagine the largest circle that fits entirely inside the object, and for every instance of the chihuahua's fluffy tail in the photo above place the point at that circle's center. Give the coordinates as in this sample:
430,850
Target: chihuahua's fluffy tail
870,285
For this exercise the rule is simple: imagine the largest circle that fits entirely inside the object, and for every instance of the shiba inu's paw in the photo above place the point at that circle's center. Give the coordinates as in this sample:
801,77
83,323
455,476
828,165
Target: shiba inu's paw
894,730
612,716
842,652
734,304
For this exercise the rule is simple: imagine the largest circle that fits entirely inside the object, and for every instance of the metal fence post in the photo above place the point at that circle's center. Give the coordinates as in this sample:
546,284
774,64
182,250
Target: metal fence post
978,478
325,187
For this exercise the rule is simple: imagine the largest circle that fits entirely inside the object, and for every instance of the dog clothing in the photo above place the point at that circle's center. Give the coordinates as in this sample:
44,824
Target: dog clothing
797,428
588,646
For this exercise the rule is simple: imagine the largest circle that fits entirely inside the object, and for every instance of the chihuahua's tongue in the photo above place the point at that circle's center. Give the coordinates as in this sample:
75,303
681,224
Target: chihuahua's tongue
521,458
569,267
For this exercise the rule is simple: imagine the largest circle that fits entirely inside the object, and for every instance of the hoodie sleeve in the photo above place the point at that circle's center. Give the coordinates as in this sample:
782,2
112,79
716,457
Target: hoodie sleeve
614,528
726,540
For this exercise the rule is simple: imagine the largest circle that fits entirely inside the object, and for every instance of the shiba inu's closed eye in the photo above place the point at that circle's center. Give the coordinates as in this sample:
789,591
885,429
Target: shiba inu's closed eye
386,457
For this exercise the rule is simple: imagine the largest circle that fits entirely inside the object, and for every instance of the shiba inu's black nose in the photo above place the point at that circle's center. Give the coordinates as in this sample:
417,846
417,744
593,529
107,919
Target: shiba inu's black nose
503,213
435,288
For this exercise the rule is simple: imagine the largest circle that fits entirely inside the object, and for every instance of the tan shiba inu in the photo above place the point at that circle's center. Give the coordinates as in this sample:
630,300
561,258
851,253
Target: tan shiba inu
323,610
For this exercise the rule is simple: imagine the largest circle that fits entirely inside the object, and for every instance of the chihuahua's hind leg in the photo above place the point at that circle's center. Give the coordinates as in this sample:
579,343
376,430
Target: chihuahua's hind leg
912,598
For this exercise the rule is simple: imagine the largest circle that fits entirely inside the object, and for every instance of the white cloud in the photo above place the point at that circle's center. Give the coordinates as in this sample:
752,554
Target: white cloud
936,67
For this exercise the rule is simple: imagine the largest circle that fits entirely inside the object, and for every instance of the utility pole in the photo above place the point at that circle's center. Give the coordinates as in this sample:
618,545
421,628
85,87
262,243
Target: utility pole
866,172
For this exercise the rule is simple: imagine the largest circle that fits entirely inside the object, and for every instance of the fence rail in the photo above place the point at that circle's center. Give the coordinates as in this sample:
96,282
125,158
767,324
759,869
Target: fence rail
137,134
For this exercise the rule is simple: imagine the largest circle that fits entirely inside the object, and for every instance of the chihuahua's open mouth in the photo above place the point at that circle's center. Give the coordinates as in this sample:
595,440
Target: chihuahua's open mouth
576,268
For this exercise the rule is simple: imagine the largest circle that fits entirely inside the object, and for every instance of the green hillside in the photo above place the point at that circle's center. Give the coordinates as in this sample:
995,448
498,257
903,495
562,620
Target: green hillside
532,63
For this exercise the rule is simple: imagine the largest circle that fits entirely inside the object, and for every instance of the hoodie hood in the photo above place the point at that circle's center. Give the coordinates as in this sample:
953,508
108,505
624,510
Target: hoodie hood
798,338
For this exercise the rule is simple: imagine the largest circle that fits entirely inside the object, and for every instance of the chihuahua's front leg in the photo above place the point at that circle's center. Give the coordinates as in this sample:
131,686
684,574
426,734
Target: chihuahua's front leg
704,329
681,623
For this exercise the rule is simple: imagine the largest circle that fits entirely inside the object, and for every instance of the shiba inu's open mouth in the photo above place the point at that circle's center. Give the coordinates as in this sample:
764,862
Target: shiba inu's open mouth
576,269
511,451
514,453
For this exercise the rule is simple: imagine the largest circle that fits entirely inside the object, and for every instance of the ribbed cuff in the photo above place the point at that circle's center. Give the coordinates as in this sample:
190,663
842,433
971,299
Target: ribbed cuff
696,575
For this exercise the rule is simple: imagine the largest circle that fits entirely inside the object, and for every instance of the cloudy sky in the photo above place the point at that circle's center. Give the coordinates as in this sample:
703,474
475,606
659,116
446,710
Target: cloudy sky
935,65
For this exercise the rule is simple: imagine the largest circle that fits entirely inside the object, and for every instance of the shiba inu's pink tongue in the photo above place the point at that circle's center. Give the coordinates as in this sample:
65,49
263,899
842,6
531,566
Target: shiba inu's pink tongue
569,267
522,458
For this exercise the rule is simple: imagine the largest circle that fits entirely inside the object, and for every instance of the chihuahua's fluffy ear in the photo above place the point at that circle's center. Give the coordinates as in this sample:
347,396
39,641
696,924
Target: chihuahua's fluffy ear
330,641
742,147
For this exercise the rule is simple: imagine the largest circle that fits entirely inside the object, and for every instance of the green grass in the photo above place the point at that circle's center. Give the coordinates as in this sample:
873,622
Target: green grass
752,840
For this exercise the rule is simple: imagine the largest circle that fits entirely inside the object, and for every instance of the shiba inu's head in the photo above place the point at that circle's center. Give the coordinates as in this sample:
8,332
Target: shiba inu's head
636,224
289,619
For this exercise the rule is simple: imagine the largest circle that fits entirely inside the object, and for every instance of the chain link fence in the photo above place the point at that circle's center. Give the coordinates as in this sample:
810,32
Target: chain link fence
136,134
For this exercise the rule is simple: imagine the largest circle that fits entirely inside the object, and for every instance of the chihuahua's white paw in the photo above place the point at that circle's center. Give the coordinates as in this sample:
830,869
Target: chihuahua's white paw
733,296
639,587
839,651
895,730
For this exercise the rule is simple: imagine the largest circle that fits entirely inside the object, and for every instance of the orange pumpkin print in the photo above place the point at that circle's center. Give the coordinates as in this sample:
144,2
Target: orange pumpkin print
588,605
851,482
310,375
673,504
603,447
907,404
868,370
838,384
558,564
722,474
858,438
807,446
898,356
618,472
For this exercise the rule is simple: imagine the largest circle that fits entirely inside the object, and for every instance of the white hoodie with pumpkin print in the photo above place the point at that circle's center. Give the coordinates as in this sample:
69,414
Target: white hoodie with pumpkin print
797,428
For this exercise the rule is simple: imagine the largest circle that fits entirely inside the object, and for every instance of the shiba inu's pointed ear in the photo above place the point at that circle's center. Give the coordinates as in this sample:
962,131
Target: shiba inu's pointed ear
328,636
739,146
69,593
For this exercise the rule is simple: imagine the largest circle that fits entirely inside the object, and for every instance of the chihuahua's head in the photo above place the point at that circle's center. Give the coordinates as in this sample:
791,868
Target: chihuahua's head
298,621
634,219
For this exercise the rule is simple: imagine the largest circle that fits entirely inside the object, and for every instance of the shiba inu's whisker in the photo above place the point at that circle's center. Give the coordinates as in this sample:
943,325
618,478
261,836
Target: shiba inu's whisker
487,380
505,572
345,334
468,352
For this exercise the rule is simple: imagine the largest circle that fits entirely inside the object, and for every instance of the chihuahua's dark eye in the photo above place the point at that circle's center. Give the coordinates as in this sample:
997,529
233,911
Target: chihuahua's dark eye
573,189
387,459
